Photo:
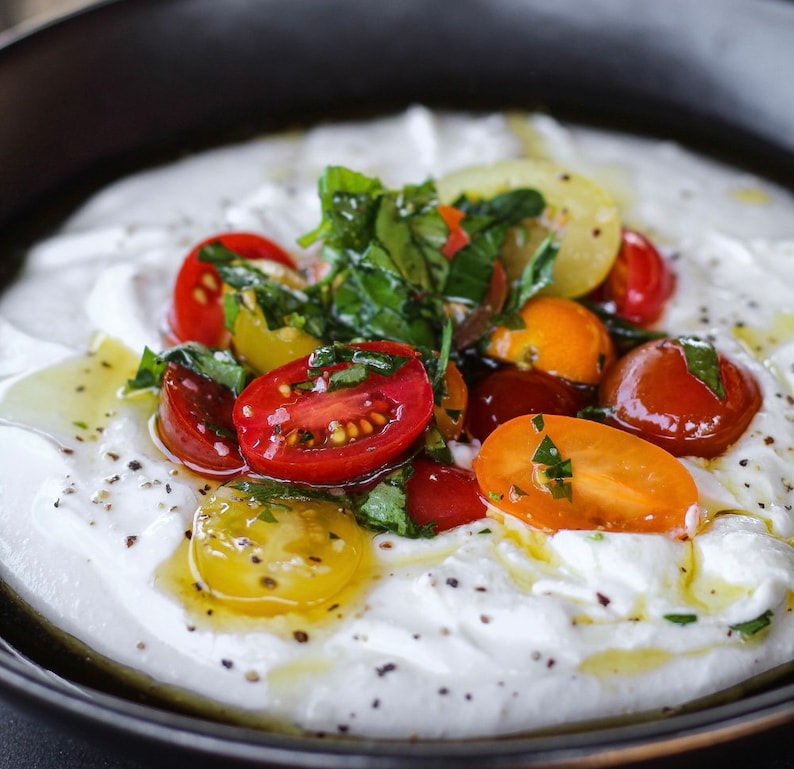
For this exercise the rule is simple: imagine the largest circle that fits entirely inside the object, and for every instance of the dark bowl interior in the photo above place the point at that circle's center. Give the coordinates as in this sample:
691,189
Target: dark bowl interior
128,82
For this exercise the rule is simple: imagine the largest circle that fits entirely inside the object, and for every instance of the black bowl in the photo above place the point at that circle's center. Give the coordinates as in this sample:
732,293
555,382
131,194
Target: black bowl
113,87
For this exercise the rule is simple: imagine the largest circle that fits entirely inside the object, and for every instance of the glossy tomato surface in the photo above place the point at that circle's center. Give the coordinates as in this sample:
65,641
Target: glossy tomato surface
292,426
194,422
640,281
560,472
444,495
510,392
650,392
196,313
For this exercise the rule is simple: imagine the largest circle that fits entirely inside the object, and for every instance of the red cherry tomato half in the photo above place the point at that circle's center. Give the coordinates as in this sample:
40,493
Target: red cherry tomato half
444,495
194,422
640,281
511,392
303,432
196,313
651,393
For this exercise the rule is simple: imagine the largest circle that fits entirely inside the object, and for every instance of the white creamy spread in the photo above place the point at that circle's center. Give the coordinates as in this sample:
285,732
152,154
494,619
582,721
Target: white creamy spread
489,629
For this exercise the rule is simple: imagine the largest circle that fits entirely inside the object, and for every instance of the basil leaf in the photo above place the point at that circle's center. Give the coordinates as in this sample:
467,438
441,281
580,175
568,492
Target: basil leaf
218,365
384,508
265,491
754,626
702,361
626,335
681,619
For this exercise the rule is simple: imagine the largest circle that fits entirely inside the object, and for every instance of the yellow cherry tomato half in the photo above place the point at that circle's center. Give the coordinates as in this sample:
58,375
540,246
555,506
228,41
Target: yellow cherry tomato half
579,210
560,336
267,559
560,472
263,348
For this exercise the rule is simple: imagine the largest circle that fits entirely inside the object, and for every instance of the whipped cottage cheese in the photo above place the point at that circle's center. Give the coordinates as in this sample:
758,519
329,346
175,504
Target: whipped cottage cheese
492,628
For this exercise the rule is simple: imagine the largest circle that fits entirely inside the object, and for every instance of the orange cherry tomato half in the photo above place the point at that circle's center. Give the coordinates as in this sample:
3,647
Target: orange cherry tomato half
560,336
292,426
444,495
640,281
651,393
196,312
603,478
194,422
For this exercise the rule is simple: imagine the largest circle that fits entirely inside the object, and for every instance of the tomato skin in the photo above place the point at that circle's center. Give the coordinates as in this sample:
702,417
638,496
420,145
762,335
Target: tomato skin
451,413
560,336
650,392
320,437
618,481
196,313
640,281
510,392
190,405
445,495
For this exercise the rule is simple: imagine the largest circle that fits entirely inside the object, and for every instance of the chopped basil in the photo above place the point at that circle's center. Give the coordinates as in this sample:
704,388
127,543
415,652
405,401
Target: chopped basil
754,626
218,365
384,507
625,335
702,361
558,471
681,619
388,276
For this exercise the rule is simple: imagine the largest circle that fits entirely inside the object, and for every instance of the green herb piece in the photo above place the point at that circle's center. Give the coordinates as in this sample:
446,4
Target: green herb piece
267,491
558,471
625,335
79,423
267,516
218,365
754,626
537,422
681,619
436,447
595,413
384,508
546,453
596,536
495,496
702,361
535,276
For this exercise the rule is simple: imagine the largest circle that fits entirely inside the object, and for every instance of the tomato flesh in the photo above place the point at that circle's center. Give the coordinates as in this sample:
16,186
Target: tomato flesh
196,313
618,482
312,435
443,495
650,392
510,392
640,281
194,422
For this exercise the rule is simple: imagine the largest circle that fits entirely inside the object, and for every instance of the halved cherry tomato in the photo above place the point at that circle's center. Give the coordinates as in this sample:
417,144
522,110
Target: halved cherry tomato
291,426
272,558
640,281
615,480
196,313
194,422
560,336
511,392
650,392
444,495
451,411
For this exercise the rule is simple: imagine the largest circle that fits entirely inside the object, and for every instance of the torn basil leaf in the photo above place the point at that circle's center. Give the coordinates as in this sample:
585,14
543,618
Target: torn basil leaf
702,361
